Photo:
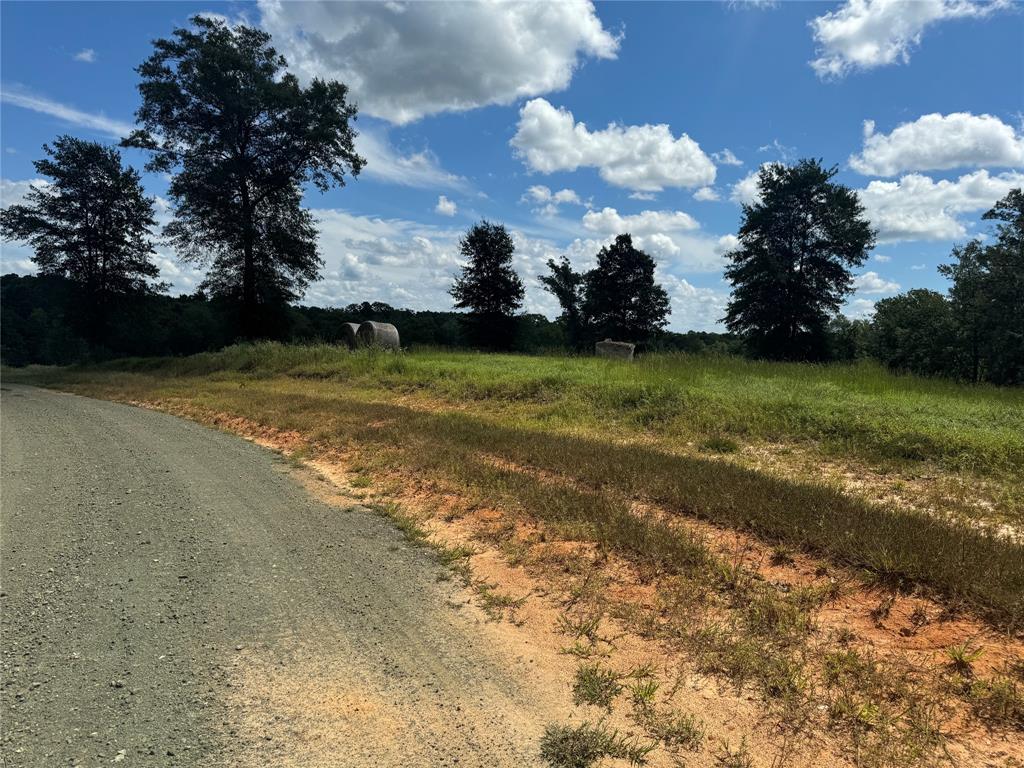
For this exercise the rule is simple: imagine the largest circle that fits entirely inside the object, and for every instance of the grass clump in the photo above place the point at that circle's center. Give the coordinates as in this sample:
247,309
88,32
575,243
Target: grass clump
673,729
597,685
581,747
998,701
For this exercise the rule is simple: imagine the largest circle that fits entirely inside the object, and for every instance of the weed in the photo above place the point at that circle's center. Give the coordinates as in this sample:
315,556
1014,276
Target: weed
582,746
718,444
596,685
998,701
734,757
962,657
495,604
642,691
674,729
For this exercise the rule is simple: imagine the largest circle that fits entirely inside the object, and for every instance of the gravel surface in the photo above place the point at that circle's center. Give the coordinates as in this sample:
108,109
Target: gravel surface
172,595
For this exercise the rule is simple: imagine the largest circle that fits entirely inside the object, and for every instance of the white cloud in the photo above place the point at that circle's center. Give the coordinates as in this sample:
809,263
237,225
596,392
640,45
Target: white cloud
918,208
745,190
419,169
407,60
939,142
863,34
646,158
882,259
643,196
872,282
706,194
88,55
860,309
608,221
726,157
667,235
919,267
97,122
445,207
548,202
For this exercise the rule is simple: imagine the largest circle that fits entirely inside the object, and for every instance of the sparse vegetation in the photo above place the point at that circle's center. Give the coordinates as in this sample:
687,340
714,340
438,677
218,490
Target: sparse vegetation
581,747
597,685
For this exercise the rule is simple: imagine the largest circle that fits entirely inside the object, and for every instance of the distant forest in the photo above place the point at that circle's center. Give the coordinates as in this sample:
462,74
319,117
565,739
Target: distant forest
44,321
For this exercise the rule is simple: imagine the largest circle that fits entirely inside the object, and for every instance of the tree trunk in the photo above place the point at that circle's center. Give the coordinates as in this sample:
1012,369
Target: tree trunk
249,309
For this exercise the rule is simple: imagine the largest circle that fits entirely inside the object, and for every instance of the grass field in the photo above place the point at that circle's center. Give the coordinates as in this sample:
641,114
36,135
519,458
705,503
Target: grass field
689,433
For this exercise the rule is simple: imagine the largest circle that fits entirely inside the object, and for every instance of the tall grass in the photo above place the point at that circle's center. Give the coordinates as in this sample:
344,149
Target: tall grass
858,409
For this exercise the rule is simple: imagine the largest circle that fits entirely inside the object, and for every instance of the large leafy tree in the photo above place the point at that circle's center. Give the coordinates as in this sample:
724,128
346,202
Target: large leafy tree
621,300
791,271
242,136
915,331
90,223
987,297
566,285
488,285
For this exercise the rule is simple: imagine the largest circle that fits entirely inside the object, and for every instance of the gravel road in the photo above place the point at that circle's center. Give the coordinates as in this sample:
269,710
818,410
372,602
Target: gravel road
173,595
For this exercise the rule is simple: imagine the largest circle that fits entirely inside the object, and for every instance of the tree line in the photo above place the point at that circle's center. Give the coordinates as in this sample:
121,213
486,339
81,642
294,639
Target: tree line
241,139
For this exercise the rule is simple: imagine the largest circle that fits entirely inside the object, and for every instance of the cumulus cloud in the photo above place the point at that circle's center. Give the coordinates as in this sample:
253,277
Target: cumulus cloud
706,194
864,34
919,208
881,258
745,190
645,158
609,221
87,55
407,60
726,157
547,202
445,207
99,122
939,142
872,282
669,235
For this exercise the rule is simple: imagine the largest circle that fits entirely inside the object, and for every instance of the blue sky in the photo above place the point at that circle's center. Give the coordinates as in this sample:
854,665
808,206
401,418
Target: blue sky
572,122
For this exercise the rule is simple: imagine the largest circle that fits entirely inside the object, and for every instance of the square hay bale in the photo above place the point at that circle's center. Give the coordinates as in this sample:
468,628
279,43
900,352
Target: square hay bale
616,350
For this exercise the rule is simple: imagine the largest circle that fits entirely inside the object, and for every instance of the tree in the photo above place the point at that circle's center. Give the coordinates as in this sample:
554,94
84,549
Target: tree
219,107
566,285
791,270
91,223
1003,262
915,332
620,298
488,286
967,296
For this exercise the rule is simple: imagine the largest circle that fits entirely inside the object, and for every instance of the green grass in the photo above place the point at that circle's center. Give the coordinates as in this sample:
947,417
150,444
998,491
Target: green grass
859,408
513,418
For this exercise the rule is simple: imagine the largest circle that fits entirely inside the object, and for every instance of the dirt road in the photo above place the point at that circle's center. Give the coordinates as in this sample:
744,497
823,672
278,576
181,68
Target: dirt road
172,595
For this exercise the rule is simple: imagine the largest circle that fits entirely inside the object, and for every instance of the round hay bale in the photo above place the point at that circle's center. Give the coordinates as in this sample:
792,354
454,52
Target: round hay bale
380,335
350,333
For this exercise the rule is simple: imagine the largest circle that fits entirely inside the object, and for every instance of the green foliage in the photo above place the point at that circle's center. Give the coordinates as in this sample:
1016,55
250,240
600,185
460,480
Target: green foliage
617,299
566,285
488,286
583,746
596,685
915,332
244,137
620,299
91,223
791,270
977,333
